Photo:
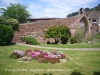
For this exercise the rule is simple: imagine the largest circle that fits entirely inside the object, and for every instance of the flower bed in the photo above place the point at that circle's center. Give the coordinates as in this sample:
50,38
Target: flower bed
39,55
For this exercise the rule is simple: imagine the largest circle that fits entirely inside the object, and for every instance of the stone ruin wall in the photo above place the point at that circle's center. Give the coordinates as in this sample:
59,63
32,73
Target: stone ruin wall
37,29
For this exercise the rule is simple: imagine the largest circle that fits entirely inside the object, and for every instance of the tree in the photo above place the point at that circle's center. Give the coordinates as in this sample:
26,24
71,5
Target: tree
87,9
72,14
16,11
10,22
58,32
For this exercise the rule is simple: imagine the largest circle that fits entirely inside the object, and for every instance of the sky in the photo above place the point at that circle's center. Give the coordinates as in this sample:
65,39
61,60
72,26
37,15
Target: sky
51,8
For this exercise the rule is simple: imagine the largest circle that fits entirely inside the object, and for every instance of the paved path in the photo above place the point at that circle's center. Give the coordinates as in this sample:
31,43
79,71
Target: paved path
36,46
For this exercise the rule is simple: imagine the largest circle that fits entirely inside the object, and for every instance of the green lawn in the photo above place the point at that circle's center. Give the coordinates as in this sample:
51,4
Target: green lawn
79,63
76,45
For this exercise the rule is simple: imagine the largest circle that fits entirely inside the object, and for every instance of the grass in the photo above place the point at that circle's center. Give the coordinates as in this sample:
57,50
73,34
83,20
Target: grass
79,63
76,45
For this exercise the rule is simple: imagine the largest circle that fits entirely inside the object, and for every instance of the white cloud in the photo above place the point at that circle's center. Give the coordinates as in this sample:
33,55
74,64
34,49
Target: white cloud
60,8
52,8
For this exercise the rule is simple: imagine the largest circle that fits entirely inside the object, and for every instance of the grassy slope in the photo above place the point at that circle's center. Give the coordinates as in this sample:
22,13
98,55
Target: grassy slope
82,62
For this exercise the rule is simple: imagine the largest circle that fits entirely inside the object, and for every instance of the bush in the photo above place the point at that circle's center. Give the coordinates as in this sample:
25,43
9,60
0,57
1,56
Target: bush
97,35
88,38
73,40
64,40
6,34
58,33
10,22
79,35
30,40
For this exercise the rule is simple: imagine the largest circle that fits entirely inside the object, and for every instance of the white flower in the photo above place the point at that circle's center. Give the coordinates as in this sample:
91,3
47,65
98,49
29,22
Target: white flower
20,53
59,56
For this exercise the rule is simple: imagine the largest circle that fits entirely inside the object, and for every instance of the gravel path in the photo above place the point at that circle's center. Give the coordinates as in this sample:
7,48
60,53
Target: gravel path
35,46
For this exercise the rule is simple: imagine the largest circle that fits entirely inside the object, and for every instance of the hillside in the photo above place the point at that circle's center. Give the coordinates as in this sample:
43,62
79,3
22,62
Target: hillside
89,12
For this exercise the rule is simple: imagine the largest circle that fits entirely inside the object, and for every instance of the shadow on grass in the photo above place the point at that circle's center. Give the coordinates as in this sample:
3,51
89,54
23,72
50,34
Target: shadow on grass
44,74
47,74
76,73
73,73
12,43
96,73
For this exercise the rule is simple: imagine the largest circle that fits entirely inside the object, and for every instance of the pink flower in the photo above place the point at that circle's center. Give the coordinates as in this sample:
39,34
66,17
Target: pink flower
34,56
37,53
45,53
40,59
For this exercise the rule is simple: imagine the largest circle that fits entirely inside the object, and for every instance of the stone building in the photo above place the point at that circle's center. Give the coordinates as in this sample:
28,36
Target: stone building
37,27
94,17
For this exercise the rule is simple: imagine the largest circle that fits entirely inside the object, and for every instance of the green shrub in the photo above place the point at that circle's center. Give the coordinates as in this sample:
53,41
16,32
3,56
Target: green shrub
58,33
79,35
10,22
64,40
30,40
6,34
97,35
73,40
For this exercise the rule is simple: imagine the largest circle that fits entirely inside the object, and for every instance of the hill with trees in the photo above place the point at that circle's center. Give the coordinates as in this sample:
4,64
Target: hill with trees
96,8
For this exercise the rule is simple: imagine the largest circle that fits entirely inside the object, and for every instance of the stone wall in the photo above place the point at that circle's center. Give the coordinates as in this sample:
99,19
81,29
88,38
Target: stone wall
37,29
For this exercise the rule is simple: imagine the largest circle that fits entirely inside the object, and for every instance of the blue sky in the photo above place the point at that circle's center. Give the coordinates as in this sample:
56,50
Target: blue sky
51,8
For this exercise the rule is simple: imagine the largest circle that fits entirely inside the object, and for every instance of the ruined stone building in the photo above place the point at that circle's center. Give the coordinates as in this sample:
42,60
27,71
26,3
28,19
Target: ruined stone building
94,17
36,27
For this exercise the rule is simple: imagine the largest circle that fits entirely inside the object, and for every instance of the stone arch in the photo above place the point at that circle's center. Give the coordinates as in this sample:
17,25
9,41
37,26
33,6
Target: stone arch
81,11
87,25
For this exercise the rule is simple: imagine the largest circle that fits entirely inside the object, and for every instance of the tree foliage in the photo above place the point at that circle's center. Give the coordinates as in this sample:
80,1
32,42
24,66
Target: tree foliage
96,8
72,14
16,11
10,22
58,32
